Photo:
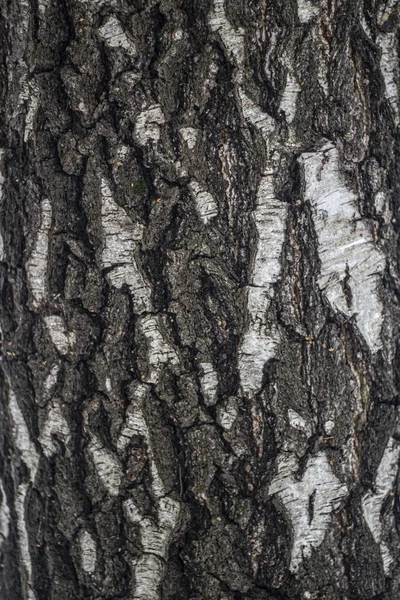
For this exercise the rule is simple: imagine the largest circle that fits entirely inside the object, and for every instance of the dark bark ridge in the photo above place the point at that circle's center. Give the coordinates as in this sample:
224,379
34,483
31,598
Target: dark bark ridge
200,300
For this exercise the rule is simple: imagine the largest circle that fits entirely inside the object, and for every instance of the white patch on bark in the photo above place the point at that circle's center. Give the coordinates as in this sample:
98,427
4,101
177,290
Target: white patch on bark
115,37
205,203
209,383
135,424
372,501
51,381
23,540
88,550
107,466
232,39
43,6
21,436
189,135
147,127
329,426
318,487
257,117
298,422
159,351
177,35
121,242
33,104
148,576
4,516
346,248
382,206
259,341
155,537
390,68
289,98
37,263
306,10
30,457
155,534
62,339
55,425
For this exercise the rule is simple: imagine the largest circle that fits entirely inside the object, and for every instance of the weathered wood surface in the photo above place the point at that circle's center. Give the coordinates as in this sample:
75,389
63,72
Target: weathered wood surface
199,300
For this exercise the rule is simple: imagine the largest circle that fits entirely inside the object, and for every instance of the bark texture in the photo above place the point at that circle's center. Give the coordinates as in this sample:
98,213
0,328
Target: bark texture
199,300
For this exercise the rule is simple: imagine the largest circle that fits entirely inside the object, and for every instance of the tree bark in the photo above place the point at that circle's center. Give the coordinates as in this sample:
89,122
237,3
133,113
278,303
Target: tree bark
200,300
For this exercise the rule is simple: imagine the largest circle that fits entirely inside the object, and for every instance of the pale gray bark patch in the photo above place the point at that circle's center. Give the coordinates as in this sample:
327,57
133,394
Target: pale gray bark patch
373,500
318,481
38,260
233,39
160,352
155,535
21,435
63,340
135,424
4,515
206,205
115,37
289,98
388,43
33,98
307,9
88,549
55,426
23,539
121,243
346,246
208,383
148,574
256,116
148,125
189,135
260,341
299,422
50,383
107,466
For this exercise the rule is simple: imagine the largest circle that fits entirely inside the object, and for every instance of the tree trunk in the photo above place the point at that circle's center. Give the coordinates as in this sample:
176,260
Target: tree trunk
200,300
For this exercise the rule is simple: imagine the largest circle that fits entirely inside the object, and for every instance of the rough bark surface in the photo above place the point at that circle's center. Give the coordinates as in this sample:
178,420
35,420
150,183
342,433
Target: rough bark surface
199,300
